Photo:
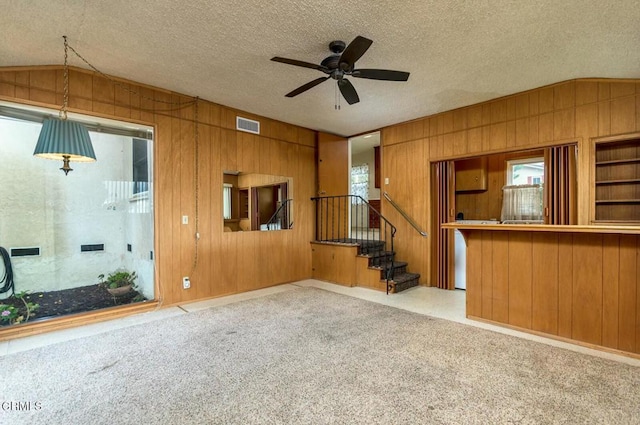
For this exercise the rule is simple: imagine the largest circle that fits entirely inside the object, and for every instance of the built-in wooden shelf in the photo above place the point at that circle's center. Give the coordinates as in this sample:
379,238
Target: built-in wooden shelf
617,180
614,222
618,201
618,161
621,181
549,228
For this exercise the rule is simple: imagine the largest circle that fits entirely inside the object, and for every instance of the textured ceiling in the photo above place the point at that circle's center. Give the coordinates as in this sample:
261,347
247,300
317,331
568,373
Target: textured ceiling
458,52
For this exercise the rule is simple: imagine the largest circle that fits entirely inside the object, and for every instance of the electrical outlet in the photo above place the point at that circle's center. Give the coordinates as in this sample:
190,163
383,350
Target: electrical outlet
186,283
185,219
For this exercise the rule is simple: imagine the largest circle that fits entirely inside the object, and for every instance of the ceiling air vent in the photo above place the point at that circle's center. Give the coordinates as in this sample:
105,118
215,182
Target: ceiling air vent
250,126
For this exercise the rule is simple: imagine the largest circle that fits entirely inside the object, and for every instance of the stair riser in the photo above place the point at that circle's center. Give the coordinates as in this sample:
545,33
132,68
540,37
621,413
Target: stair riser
396,272
380,260
399,287
372,250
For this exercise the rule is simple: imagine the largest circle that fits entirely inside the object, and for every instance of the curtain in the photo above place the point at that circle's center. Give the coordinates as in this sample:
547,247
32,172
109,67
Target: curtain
360,182
444,204
522,203
226,201
561,190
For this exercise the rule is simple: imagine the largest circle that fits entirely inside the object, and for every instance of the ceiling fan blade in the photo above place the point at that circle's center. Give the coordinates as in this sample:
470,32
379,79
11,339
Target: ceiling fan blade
306,87
300,63
348,91
354,51
381,74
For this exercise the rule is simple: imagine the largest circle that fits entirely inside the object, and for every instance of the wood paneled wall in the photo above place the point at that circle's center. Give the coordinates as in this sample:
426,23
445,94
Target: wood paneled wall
579,286
571,111
227,262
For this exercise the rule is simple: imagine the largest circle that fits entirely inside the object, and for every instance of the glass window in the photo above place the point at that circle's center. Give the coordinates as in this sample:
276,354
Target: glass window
522,199
360,181
77,226
140,166
525,171
226,200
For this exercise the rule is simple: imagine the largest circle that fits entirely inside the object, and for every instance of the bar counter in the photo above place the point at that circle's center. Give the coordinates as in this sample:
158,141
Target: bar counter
575,283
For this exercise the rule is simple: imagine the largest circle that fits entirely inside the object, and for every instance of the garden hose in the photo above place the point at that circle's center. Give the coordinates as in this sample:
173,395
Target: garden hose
6,282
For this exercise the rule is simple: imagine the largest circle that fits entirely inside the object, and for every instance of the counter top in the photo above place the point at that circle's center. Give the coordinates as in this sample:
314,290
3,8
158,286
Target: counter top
629,230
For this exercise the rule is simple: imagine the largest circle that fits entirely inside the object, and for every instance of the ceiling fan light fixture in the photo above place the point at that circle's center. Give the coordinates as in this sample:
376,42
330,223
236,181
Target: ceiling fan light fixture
340,64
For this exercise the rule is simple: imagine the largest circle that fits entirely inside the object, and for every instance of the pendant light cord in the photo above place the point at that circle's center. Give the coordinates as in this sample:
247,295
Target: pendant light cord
196,184
65,98
180,105
122,86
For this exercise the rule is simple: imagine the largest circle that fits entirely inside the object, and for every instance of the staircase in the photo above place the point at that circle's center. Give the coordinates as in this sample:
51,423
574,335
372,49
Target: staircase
345,220
386,265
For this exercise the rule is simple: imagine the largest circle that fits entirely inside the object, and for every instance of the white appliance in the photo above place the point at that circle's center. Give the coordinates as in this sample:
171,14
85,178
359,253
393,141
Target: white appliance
460,253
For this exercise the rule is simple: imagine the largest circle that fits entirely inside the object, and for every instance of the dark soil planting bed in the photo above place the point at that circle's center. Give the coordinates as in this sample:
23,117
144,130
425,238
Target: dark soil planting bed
70,301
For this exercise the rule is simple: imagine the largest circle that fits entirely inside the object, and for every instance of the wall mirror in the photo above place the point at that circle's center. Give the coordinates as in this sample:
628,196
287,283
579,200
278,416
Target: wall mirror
260,202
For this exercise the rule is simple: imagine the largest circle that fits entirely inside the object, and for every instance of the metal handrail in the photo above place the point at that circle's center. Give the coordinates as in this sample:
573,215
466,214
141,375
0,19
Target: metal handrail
405,215
334,222
274,217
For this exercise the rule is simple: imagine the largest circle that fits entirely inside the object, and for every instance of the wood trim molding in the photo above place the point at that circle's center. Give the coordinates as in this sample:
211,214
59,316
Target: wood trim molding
75,320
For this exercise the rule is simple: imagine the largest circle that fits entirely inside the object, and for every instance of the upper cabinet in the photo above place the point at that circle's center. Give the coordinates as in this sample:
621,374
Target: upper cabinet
617,181
471,174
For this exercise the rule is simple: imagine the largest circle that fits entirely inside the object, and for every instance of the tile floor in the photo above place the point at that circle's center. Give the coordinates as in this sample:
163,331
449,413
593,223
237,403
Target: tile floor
448,305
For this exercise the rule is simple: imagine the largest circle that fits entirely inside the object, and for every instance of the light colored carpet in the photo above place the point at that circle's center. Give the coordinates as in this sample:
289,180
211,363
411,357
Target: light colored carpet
308,356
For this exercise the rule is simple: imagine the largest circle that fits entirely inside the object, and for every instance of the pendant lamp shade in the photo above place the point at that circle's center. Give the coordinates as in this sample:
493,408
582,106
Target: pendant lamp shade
60,138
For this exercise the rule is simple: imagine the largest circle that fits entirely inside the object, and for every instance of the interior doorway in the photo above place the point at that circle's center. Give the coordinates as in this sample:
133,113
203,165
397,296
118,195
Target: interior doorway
364,184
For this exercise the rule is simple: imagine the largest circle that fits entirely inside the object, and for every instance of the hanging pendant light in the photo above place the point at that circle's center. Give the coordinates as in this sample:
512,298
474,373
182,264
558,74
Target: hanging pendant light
62,139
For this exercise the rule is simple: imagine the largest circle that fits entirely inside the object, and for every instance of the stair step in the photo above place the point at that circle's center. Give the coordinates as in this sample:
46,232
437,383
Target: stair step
404,277
396,265
403,281
371,247
378,254
399,267
379,258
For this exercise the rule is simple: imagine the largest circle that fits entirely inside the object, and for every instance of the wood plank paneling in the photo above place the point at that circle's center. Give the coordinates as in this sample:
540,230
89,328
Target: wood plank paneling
545,262
487,275
474,279
565,287
628,292
604,119
623,115
520,279
203,274
581,286
587,288
564,95
586,92
500,278
8,84
610,292
545,128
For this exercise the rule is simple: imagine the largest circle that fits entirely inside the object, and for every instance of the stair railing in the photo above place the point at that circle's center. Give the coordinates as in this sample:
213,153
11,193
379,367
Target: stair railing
280,219
351,219
405,215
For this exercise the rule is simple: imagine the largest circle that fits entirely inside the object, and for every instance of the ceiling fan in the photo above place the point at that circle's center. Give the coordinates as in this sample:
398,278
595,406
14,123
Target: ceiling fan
341,64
